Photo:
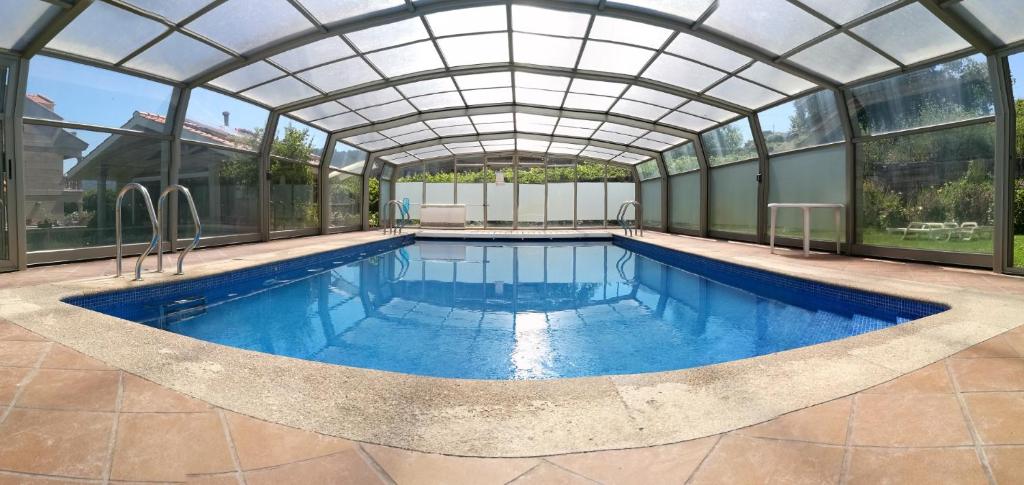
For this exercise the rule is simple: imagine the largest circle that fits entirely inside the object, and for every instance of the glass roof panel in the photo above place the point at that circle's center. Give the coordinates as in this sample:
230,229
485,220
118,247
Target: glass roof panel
687,9
492,118
541,81
749,20
487,96
454,121
531,145
430,86
539,96
495,127
701,50
629,32
230,23
842,58
365,138
323,110
468,20
535,128
626,130
651,144
999,19
474,49
178,57
708,111
378,145
414,137
371,98
652,96
744,93
537,119
929,37
847,10
664,138
579,123
565,148
488,80
387,111
90,35
282,91
544,50
247,77
588,102
455,130
405,129
639,110
340,75
681,72
574,131
387,35
316,53
175,11
429,102
687,121
601,88
547,21
23,20
608,57
330,11
612,137
407,59
776,78
589,152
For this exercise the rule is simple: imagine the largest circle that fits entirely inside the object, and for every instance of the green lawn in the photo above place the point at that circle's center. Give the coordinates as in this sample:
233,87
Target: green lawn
982,246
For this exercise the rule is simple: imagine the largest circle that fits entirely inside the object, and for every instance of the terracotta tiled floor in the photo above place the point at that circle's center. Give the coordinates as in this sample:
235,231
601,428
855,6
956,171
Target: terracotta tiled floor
67,418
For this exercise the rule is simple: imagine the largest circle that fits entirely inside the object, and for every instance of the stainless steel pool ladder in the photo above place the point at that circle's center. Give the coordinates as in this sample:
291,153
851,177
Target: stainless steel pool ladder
394,226
118,243
637,225
160,223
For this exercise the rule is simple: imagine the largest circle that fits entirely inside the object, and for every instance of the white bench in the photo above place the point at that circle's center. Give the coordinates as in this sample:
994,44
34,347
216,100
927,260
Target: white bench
443,216
838,208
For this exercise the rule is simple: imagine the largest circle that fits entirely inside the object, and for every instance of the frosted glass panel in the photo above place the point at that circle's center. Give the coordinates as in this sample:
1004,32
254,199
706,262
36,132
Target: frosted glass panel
561,173
178,57
90,35
684,206
650,199
231,23
929,37
733,198
750,20
24,20
815,176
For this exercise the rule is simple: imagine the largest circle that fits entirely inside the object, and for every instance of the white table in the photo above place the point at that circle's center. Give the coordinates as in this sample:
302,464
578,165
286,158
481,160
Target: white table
838,208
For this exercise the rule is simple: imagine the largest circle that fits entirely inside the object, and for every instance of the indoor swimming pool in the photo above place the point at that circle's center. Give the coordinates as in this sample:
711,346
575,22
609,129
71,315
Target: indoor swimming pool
509,310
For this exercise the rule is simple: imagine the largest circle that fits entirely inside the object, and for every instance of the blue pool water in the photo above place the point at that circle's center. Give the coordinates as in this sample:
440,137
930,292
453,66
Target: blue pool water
505,310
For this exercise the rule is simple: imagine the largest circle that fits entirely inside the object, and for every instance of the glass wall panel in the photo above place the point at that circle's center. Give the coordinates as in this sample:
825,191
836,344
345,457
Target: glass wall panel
531,182
732,205
439,178
928,191
69,91
71,183
294,196
383,189
501,192
805,122
648,170
561,177
347,158
345,193
225,186
1017,161
681,159
730,143
815,176
621,187
650,199
472,176
684,207
298,141
216,118
949,92
409,188
590,198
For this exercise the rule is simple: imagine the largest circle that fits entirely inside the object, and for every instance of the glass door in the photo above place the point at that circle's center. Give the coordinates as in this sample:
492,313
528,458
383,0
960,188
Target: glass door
530,192
1016,260
8,259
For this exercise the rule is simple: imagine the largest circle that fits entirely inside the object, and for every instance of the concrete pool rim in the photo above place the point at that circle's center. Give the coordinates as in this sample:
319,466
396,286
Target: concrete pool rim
513,418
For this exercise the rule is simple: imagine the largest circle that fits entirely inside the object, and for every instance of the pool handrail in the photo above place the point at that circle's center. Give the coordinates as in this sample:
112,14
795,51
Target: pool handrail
118,239
637,218
396,226
160,222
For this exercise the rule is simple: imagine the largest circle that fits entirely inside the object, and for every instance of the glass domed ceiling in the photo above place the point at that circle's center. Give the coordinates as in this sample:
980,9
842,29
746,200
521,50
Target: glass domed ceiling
615,80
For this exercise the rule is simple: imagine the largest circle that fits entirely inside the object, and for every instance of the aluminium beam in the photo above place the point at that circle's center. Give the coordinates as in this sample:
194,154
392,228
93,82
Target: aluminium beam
54,27
511,134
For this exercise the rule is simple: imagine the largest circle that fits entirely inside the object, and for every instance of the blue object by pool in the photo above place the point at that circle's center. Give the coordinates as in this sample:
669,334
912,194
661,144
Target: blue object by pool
504,310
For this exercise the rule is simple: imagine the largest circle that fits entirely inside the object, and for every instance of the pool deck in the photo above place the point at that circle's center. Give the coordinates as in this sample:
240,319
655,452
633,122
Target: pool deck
940,400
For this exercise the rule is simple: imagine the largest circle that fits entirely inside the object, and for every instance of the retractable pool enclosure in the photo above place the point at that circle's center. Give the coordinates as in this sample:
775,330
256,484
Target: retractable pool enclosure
288,118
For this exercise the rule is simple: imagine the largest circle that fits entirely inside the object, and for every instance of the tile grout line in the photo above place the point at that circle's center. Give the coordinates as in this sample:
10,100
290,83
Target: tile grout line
108,468
573,472
239,476
704,460
844,469
14,473
372,462
527,472
979,450
25,381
